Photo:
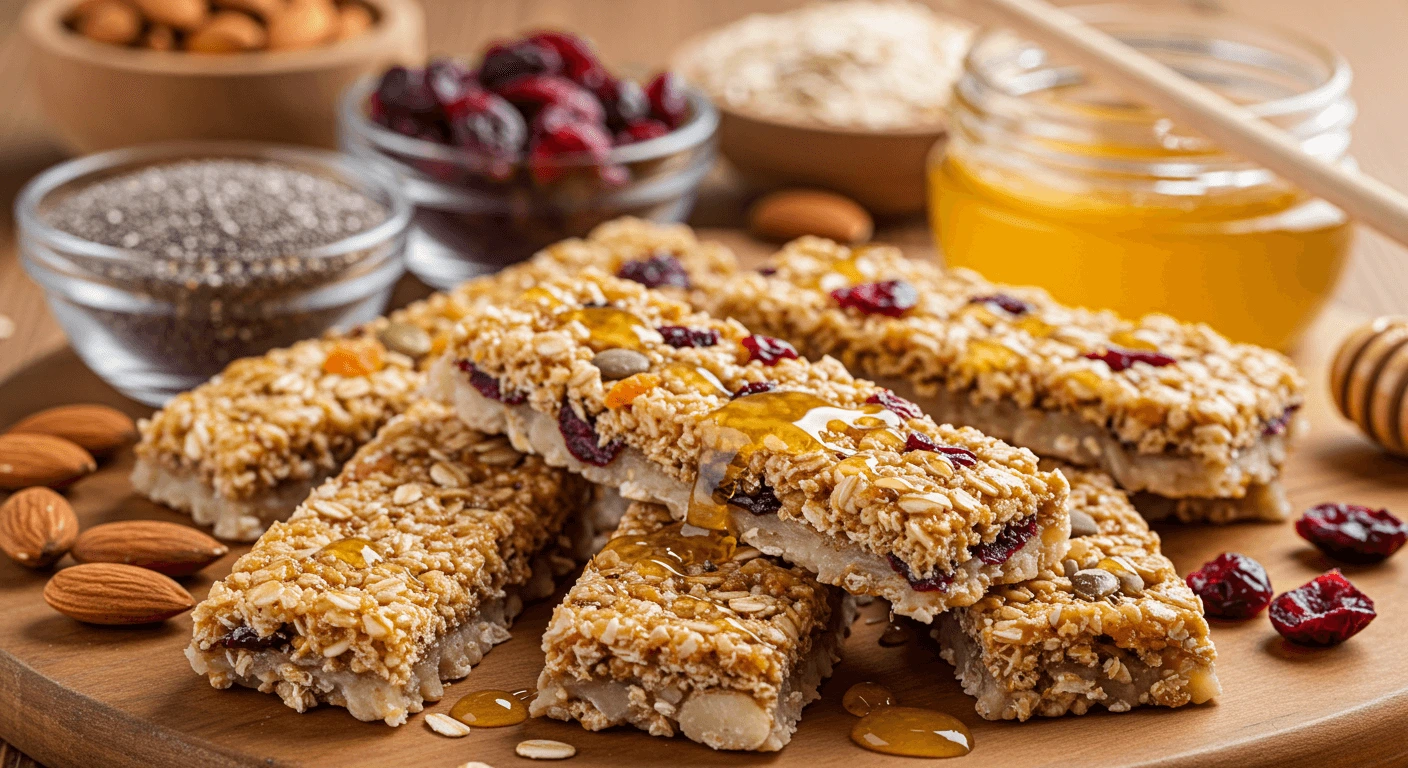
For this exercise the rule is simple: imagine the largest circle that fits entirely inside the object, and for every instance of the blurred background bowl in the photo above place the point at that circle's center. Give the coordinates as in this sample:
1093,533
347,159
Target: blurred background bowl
99,96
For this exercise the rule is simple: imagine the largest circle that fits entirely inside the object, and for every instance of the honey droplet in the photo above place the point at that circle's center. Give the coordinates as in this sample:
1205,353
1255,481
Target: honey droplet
912,732
784,422
525,694
611,327
701,380
897,633
489,709
986,356
1035,326
863,698
357,553
671,550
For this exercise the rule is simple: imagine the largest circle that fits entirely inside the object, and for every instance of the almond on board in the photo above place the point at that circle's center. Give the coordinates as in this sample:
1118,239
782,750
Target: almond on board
792,213
37,526
170,548
97,429
27,460
111,593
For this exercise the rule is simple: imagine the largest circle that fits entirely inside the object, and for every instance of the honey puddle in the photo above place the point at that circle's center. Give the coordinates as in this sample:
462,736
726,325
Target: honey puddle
903,731
490,709
863,698
897,633
357,553
611,327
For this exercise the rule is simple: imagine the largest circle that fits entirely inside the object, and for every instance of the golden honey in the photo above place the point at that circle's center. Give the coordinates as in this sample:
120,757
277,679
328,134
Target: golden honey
863,698
1053,180
490,709
610,327
356,552
912,732
672,549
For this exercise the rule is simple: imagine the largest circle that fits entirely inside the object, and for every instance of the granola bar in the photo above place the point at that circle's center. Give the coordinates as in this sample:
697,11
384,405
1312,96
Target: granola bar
1051,646
1197,425
401,572
636,392
242,450
675,633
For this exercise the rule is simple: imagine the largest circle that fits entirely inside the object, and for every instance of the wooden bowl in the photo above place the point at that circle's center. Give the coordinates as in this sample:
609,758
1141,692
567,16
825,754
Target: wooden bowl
100,96
883,171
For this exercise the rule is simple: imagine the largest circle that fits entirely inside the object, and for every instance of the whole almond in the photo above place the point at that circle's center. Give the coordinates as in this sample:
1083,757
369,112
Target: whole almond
304,24
228,32
264,9
111,593
108,21
793,213
98,429
37,526
353,20
27,460
160,38
182,14
170,548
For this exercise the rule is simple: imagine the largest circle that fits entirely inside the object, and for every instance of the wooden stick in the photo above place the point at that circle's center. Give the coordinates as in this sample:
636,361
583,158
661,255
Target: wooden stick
1232,128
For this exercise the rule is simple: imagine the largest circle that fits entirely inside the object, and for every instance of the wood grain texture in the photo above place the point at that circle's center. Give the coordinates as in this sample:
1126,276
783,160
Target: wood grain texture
1265,718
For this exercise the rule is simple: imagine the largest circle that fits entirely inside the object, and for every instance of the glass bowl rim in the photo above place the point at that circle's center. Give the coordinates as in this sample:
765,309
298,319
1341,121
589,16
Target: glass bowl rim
36,190
701,126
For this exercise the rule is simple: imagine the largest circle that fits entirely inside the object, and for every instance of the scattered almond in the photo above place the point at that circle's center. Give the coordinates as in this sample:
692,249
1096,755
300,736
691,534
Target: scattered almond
228,32
304,24
97,429
111,593
27,459
37,526
264,9
170,548
160,38
108,21
544,749
185,15
446,725
793,213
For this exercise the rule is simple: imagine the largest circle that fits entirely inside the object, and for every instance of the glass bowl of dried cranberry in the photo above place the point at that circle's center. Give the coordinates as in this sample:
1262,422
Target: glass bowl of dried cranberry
537,143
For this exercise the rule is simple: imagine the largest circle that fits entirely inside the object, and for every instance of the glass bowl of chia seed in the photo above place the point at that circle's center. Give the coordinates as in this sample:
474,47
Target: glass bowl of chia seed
165,262
475,215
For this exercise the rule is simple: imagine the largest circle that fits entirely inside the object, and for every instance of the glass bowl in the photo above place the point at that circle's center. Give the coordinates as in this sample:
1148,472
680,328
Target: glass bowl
472,219
151,332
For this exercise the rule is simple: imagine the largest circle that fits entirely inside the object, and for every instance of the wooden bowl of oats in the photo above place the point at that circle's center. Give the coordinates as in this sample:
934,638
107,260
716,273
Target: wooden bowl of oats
849,96
113,78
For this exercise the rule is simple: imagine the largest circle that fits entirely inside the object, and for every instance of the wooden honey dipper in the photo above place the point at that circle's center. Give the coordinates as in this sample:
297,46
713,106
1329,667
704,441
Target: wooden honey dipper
1369,381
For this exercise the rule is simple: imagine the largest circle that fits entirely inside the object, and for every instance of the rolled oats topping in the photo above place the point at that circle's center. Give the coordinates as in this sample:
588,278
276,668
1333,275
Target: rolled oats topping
1153,388
416,540
820,446
662,623
1114,626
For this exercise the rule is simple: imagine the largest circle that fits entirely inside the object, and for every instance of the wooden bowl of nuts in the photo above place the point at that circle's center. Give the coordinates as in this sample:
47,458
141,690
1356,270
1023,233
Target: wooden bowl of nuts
113,73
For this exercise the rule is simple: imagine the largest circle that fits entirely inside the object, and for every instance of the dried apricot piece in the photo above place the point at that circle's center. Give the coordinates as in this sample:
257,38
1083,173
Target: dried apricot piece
628,389
355,357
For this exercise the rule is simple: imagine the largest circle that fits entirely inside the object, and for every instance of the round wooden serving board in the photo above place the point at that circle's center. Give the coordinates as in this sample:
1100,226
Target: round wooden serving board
77,695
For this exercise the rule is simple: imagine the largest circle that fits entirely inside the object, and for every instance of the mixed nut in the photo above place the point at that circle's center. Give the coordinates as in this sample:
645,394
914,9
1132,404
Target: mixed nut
126,569
220,26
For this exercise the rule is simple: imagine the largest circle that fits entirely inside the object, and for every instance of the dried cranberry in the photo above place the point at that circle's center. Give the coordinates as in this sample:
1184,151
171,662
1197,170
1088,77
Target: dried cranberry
247,638
488,386
754,388
1232,586
679,336
890,298
668,103
532,93
762,501
642,130
658,270
768,350
549,153
1328,610
767,271
939,582
449,81
1121,359
1278,425
625,102
1352,533
582,440
486,124
506,62
1011,304
962,457
578,61
1011,538
895,404
406,93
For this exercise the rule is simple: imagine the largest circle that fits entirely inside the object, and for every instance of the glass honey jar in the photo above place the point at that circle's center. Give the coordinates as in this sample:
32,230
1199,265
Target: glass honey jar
1054,178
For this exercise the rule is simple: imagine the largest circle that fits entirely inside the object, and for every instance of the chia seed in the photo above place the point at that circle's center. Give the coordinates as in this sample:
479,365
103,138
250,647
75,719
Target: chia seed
220,257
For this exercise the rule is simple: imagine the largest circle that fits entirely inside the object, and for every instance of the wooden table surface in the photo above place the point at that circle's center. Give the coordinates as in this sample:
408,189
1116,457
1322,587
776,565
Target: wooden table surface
641,33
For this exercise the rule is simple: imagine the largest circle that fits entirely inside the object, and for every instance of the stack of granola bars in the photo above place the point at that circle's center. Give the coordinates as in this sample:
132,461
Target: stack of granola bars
771,486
